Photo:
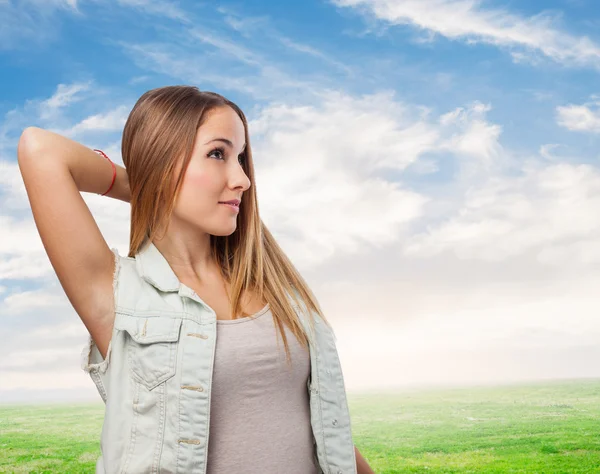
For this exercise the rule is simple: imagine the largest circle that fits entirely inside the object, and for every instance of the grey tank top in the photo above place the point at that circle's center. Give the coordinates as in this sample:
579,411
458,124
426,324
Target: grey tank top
259,411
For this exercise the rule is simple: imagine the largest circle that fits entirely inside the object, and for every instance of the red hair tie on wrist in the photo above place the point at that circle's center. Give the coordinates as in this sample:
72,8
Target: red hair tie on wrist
114,168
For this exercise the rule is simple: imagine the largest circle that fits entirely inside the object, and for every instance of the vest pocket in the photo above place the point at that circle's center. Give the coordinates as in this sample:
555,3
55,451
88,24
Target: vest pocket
151,347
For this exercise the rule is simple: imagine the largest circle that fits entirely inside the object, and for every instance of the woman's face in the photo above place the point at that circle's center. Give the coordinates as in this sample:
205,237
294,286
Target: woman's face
214,175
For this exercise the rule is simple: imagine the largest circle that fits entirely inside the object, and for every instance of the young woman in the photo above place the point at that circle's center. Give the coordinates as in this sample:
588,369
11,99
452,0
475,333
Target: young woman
184,330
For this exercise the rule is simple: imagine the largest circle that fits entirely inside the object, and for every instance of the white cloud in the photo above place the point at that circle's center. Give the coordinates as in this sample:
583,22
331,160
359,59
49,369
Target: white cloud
32,358
36,20
581,118
477,145
202,55
328,162
311,51
247,26
242,23
227,46
111,121
64,4
322,162
12,189
39,20
160,8
32,382
57,113
18,303
545,207
65,95
193,68
471,21
546,151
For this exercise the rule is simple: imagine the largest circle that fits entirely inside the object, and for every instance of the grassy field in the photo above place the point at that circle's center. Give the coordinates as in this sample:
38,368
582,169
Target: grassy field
539,428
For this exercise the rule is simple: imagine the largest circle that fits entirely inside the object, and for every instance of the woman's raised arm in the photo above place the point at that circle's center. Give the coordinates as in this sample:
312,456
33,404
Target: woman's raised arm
55,169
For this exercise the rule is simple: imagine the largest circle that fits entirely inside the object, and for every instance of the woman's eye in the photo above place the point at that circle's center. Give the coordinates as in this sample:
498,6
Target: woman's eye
219,154
212,153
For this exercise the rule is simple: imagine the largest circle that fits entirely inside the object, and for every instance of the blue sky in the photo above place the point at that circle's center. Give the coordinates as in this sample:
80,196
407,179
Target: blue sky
455,143
318,43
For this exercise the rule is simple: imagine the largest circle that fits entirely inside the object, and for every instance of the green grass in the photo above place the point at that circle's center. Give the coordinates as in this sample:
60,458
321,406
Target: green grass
538,428
552,427
50,438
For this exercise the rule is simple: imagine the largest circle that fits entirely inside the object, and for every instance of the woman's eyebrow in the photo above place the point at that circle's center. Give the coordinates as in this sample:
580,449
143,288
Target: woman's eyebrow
224,140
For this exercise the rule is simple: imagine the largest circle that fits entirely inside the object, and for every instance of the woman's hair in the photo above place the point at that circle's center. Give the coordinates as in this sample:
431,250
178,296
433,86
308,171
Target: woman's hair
159,137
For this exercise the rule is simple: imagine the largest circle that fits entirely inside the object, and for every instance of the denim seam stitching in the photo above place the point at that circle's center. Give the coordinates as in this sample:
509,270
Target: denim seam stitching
160,435
133,428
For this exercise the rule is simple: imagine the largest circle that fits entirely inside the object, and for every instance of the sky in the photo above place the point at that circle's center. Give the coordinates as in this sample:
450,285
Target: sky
431,167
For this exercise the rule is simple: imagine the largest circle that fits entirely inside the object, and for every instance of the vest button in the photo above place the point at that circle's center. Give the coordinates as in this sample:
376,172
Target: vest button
334,422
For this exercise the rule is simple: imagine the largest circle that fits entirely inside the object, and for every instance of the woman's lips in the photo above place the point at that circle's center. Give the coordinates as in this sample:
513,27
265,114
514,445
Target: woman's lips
231,206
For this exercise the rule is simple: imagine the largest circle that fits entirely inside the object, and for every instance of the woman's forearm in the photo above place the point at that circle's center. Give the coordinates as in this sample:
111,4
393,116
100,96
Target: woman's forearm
362,467
91,172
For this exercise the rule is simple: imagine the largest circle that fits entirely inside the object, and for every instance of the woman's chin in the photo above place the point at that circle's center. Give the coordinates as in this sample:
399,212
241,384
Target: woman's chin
224,231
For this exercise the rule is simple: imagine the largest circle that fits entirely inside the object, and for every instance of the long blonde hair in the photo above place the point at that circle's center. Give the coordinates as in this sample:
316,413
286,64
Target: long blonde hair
159,135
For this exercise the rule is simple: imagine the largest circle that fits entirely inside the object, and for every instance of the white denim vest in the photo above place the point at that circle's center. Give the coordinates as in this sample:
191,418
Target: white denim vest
156,378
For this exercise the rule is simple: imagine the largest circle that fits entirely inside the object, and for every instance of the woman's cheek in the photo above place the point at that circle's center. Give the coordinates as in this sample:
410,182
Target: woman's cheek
198,181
